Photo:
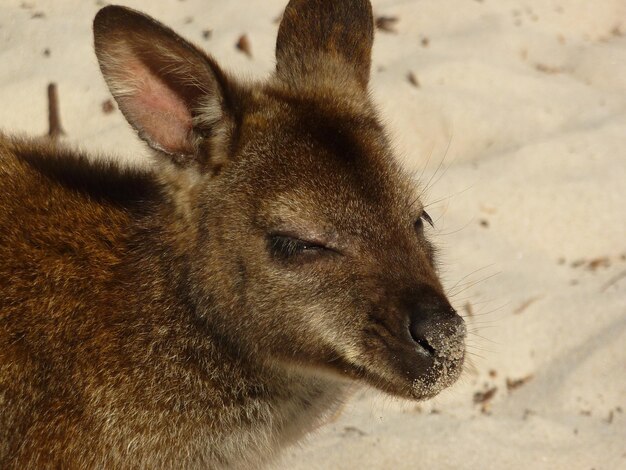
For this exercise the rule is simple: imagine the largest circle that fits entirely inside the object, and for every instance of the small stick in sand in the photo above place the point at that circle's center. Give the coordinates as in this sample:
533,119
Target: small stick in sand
527,304
54,121
353,431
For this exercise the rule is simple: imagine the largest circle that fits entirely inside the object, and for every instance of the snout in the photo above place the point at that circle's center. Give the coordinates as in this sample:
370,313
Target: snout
437,333
436,328
420,348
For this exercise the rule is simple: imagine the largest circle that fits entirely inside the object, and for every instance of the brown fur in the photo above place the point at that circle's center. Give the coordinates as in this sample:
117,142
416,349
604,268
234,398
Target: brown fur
153,319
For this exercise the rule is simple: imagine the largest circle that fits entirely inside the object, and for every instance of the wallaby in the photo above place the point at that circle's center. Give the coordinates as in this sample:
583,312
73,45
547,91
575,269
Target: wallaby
211,310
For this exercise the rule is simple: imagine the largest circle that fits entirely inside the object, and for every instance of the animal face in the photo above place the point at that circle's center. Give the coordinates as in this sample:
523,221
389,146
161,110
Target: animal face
305,239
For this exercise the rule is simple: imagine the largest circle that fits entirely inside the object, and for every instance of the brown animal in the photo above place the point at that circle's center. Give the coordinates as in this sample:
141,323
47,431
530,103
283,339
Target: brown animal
209,311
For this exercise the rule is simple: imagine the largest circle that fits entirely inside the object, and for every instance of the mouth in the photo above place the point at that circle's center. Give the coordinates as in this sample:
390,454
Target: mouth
416,368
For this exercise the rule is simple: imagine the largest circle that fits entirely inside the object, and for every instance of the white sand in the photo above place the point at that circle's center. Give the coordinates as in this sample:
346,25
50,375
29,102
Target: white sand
530,97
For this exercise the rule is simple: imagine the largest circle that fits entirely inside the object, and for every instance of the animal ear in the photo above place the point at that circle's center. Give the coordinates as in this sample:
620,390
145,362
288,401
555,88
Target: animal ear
173,94
322,36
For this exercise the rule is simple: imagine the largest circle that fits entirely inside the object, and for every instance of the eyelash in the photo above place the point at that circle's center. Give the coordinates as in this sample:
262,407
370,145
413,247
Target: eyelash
284,247
419,223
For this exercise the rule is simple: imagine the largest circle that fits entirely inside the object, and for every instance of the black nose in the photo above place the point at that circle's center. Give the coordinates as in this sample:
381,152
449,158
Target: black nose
433,324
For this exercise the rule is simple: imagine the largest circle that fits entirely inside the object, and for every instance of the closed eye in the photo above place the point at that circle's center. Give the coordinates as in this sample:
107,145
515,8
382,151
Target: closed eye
286,247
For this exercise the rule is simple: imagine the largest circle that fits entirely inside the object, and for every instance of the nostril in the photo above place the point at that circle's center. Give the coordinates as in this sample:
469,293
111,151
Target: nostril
432,322
422,342
426,346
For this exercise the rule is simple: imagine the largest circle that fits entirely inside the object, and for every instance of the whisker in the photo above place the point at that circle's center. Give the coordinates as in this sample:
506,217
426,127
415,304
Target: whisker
470,368
433,183
430,154
471,274
428,184
446,198
473,354
473,347
474,334
481,328
493,310
474,283
472,303
445,154
445,234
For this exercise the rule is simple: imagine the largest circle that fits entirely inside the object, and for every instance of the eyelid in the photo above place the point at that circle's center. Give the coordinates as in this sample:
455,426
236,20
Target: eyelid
299,238
314,244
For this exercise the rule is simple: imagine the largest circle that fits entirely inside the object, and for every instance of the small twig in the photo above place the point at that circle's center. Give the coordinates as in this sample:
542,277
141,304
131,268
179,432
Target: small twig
54,121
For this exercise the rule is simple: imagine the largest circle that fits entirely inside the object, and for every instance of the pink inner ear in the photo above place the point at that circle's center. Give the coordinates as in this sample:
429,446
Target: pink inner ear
156,110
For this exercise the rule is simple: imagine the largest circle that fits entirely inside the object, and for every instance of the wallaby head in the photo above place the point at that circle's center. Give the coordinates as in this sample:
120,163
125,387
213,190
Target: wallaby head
303,240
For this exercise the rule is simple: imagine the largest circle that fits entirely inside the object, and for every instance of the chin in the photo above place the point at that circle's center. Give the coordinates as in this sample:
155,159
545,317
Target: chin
409,372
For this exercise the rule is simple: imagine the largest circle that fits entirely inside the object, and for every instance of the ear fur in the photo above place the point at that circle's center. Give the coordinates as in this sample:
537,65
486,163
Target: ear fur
173,94
314,34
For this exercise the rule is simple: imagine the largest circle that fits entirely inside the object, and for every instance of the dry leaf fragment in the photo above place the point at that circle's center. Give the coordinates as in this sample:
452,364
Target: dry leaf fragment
603,262
243,44
549,69
484,397
513,384
108,107
386,23
412,78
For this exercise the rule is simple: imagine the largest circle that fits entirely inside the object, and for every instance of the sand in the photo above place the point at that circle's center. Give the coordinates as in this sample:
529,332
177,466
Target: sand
516,121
